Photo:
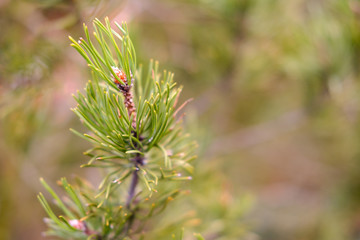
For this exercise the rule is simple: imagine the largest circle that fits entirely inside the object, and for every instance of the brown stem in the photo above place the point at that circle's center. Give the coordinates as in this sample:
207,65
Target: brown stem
128,101
134,181
138,160
129,104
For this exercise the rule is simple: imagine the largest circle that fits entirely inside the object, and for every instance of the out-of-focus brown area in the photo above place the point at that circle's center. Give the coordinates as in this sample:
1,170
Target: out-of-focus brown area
276,106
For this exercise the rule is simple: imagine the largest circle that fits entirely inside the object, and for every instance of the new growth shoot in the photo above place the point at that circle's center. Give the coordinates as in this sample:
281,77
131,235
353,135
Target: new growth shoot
138,142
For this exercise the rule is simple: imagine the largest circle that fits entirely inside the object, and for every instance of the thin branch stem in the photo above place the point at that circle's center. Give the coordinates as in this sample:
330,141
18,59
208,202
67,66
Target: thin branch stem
134,182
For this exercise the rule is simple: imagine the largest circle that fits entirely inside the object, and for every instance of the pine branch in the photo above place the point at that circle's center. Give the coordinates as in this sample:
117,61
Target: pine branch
136,139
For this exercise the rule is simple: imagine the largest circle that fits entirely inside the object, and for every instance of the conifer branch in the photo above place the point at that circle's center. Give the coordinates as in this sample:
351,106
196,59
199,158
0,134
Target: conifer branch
136,139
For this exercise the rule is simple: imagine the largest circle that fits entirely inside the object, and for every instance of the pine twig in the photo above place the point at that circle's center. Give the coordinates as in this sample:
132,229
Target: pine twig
122,133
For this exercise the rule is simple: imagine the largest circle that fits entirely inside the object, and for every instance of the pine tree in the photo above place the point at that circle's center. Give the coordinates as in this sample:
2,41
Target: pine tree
138,142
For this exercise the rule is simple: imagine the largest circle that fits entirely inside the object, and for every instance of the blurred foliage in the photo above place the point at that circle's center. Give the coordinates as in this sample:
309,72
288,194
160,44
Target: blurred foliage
276,88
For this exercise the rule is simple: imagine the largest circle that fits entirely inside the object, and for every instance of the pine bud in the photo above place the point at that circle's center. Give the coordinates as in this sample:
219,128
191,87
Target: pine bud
120,74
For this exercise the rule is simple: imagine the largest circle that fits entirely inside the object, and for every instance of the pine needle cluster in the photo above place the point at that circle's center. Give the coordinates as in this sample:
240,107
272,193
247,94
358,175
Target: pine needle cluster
138,142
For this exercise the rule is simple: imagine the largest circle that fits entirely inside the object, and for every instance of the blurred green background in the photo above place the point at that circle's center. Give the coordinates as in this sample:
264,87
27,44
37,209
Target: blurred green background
276,88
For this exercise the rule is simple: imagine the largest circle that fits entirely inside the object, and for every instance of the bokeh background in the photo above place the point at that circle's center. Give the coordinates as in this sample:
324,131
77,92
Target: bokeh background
276,88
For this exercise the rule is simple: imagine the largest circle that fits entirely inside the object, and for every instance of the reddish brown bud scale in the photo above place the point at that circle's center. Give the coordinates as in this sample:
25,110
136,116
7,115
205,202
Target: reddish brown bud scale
120,74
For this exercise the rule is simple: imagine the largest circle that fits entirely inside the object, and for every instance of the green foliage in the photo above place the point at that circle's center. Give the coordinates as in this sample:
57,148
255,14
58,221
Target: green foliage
136,138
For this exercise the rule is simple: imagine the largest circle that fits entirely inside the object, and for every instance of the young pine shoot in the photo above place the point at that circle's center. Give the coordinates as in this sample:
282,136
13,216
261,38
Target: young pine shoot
137,138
